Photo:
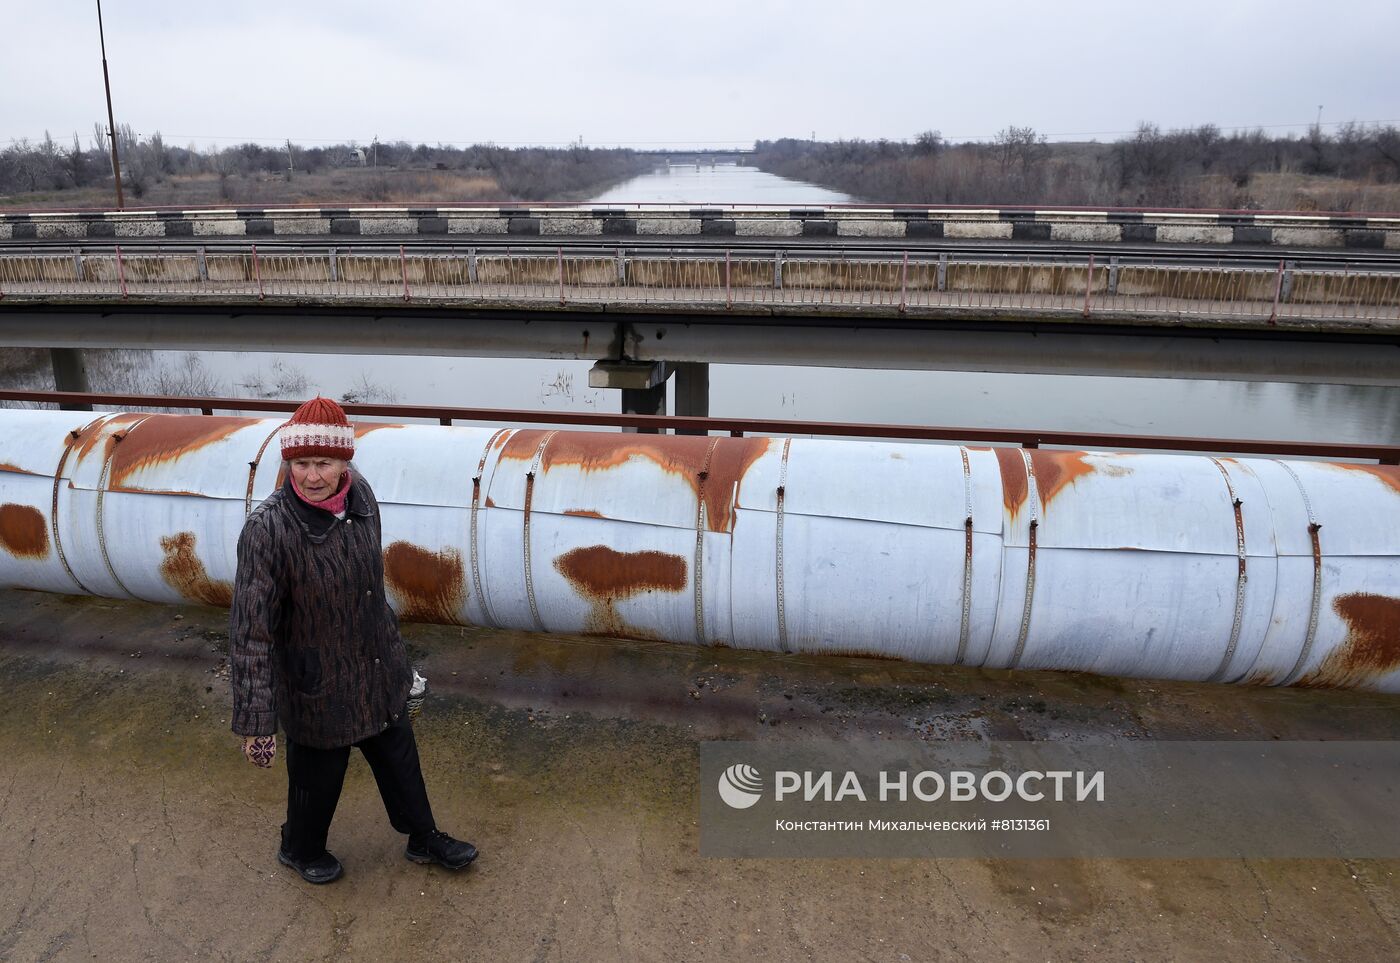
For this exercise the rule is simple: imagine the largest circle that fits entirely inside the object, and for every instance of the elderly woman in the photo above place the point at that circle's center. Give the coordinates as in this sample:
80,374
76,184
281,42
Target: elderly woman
313,644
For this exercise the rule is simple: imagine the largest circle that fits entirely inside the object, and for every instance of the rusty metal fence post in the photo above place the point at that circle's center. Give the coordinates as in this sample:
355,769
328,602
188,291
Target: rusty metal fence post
904,283
121,272
728,293
1278,291
1088,285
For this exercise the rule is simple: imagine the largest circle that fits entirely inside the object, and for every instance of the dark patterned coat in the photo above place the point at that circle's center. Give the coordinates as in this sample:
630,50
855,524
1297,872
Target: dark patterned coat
312,640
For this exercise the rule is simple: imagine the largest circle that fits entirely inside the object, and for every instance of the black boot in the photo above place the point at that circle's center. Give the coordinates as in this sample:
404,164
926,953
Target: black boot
323,869
438,847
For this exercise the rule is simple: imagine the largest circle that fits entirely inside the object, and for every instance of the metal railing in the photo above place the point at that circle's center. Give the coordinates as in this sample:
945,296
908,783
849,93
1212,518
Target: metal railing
736,427
924,283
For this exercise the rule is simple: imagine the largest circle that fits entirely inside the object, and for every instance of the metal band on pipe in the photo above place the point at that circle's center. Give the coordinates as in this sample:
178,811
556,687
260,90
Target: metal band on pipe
1314,527
782,600
72,439
965,626
1241,579
1032,500
486,617
253,471
101,503
529,498
700,544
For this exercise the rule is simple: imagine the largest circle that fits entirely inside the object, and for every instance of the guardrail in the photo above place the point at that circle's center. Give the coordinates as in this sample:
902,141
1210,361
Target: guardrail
922,283
1289,230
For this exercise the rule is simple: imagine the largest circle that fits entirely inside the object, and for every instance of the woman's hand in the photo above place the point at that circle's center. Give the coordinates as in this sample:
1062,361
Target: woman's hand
260,750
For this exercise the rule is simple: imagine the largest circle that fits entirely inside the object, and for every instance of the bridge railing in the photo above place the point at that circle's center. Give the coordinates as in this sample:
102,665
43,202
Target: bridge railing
710,280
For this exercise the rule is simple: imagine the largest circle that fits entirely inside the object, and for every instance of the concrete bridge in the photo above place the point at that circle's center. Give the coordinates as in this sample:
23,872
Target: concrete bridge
947,289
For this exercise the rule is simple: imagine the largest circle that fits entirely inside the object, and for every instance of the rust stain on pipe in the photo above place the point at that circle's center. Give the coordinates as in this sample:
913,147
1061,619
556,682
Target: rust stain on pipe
88,437
166,438
23,532
1013,479
584,513
6,466
681,455
1372,646
1388,474
185,573
604,576
428,586
1054,472
602,572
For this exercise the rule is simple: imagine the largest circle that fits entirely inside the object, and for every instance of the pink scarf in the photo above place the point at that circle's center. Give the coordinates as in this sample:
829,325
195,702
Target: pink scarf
335,504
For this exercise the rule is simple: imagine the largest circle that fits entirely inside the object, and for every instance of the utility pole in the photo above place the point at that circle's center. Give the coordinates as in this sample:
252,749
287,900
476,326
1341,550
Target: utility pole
375,145
111,123
290,165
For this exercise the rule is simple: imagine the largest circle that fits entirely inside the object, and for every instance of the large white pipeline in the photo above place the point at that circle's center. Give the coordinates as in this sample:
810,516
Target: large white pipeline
1171,566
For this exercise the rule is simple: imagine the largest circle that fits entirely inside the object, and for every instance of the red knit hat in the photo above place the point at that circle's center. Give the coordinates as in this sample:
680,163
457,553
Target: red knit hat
318,429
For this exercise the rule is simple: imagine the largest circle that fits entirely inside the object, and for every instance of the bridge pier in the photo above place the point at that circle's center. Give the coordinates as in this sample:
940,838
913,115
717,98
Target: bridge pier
692,391
69,374
643,386
644,401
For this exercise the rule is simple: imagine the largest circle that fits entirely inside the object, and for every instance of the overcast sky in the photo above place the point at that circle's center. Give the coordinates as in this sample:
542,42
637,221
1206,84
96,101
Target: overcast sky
719,72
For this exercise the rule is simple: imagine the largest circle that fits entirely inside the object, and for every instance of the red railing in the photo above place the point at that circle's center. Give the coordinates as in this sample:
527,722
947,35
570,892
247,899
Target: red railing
1025,438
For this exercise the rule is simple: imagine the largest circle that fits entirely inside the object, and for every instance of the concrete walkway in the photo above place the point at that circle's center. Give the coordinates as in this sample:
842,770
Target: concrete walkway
133,830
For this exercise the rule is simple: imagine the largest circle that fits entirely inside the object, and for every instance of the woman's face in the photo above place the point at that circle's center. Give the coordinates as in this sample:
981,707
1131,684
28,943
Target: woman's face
317,477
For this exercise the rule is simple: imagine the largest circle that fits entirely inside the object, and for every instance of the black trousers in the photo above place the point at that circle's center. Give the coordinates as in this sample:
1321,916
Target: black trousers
315,778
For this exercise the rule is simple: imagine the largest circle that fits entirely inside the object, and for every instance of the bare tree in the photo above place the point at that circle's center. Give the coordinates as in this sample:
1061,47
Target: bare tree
1206,140
1387,144
1319,157
77,162
1020,147
50,162
929,142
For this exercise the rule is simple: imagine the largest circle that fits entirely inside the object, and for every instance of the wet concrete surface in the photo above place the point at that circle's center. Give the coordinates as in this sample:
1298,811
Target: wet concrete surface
132,828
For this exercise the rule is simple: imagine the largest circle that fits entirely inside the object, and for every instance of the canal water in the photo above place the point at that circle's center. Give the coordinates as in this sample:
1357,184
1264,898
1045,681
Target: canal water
1045,402
706,183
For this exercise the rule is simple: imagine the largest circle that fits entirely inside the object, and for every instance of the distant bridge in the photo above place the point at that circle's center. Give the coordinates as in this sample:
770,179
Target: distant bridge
709,153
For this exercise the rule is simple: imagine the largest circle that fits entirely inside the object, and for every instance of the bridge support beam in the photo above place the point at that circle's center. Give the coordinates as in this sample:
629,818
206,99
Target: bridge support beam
643,386
692,392
70,374
1219,353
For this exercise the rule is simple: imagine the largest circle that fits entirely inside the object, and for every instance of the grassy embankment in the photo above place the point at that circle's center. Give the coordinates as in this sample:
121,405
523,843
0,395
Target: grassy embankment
508,175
